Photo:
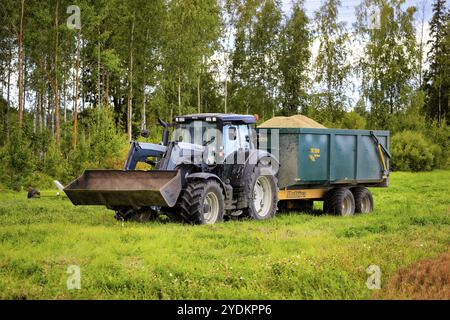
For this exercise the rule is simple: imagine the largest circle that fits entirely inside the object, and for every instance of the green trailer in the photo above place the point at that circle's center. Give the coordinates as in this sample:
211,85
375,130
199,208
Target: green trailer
332,165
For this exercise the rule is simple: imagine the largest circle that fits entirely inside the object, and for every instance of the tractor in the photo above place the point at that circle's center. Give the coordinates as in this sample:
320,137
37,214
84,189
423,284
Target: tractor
209,170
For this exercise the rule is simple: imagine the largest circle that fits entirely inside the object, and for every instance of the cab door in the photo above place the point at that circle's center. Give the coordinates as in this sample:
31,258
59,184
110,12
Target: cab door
237,145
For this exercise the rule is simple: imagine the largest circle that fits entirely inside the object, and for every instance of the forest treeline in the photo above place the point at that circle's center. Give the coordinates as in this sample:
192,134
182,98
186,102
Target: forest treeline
72,96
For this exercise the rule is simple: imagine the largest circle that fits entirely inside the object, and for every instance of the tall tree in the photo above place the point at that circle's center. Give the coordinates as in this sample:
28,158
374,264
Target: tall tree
56,75
332,65
255,64
294,61
130,82
20,58
389,62
437,79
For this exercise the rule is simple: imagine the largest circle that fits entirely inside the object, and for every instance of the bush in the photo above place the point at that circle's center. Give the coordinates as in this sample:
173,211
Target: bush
440,135
17,160
411,151
54,163
352,120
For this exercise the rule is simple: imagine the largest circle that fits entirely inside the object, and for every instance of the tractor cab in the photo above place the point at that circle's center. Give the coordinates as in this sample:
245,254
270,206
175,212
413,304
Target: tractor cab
213,138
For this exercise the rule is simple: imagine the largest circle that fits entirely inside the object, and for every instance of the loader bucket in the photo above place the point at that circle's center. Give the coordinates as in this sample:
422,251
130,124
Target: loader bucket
117,188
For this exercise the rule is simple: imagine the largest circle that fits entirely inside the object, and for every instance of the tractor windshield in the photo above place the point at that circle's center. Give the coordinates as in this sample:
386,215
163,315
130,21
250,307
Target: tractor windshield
196,132
196,140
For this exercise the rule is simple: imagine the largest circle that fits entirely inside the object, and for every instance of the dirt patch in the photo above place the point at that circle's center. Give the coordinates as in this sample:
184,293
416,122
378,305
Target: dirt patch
424,279
297,121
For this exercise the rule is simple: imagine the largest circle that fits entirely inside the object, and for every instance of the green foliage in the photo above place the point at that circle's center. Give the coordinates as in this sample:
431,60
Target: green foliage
294,61
332,65
54,164
17,161
35,159
104,141
437,78
352,120
412,151
440,135
389,63
410,119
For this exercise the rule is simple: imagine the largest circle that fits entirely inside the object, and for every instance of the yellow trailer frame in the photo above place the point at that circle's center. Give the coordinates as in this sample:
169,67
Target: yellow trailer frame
302,194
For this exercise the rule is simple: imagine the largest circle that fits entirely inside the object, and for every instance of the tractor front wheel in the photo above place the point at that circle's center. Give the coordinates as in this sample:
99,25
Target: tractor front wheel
202,202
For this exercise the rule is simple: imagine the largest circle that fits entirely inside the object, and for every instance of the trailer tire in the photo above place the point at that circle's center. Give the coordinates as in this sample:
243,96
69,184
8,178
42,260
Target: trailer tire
363,200
340,201
261,183
202,202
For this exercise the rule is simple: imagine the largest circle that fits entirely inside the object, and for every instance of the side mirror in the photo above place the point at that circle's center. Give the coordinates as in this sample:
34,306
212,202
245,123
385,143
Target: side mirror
145,133
232,133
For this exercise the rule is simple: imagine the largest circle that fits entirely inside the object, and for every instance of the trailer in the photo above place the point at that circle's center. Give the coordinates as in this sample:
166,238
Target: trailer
218,166
332,165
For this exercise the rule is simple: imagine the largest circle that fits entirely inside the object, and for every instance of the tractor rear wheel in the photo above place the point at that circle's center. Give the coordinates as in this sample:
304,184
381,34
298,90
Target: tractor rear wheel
202,202
262,193
363,200
339,201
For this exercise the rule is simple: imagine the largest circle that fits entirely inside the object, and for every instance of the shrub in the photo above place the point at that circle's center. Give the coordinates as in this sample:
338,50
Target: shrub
440,135
411,151
352,120
17,160
54,163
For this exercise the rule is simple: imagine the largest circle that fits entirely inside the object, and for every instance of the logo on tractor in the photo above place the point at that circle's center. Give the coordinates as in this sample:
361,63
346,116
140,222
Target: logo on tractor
314,154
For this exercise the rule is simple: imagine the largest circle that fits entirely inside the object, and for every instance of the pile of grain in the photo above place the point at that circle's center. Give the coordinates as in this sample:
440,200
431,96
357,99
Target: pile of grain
297,121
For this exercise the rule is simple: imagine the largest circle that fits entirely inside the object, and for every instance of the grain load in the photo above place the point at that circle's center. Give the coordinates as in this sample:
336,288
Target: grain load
296,121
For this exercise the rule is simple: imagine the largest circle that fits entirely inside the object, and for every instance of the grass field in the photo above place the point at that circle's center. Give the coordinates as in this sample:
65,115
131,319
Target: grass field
293,256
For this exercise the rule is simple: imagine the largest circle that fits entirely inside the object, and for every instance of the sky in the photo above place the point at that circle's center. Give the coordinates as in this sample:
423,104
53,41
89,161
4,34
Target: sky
347,9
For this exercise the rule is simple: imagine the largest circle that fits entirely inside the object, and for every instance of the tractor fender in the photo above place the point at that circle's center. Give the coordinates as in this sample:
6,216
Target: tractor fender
206,176
262,158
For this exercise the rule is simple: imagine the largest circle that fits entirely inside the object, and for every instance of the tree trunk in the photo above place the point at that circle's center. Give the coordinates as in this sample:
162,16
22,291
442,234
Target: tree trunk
199,107
75,106
225,94
8,90
106,91
99,94
20,66
144,104
57,124
35,114
130,83
179,93
65,93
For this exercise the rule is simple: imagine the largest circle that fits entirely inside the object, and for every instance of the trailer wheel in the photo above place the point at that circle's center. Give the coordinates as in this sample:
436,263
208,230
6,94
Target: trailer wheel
262,192
340,201
202,202
363,200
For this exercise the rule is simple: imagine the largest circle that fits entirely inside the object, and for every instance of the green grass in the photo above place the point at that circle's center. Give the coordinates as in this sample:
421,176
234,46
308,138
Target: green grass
293,256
